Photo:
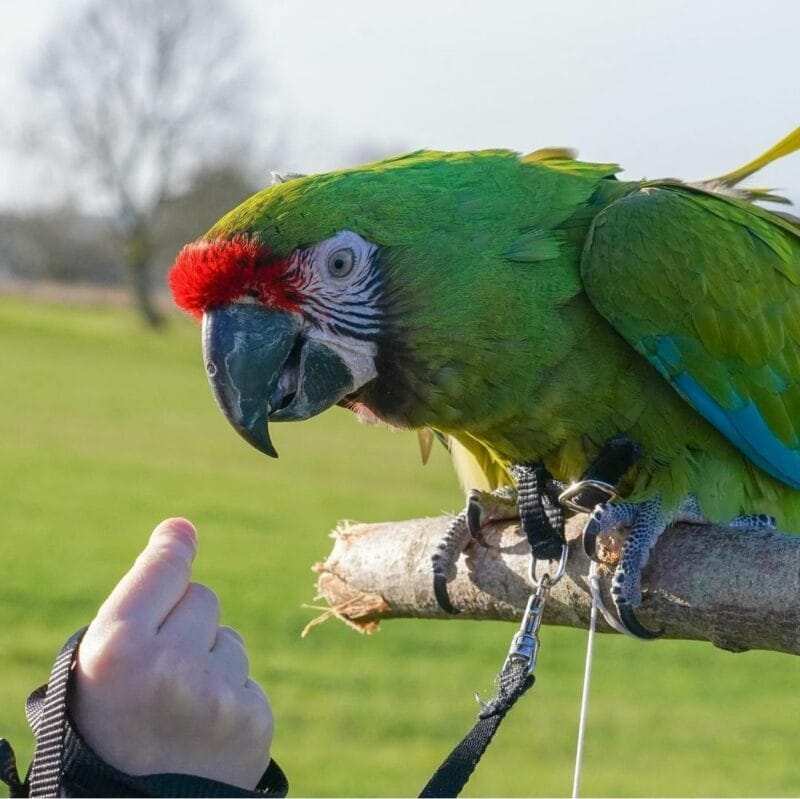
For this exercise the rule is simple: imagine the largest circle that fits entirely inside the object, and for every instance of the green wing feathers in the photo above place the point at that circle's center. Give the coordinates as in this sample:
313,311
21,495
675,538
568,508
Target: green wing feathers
708,290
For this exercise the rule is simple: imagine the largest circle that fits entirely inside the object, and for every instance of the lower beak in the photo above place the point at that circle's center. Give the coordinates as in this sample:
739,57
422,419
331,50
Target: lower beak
262,369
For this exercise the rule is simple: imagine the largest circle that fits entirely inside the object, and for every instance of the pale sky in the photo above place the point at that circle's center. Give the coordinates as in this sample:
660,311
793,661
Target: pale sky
664,87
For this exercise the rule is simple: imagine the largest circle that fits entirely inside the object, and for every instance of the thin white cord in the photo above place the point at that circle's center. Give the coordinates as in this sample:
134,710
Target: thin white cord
587,678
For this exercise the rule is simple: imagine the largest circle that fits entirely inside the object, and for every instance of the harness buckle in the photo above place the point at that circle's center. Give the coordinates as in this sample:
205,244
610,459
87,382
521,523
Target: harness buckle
607,492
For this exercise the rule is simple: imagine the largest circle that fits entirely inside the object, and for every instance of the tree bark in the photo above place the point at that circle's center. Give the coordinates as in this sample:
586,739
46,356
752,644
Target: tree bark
738,589
139,251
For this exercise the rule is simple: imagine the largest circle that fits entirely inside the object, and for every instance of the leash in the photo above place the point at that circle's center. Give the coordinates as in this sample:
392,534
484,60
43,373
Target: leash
515,678
542,502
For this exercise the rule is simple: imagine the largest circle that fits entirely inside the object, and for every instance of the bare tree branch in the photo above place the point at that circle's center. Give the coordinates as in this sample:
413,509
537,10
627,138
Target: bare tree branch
133,97
738,589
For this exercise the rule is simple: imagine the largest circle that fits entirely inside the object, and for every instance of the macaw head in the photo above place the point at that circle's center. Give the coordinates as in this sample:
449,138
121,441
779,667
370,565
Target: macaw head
388,289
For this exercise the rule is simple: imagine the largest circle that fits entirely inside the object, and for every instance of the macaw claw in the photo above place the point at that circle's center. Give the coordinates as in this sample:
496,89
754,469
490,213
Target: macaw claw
646,522
633,626
589,540
474,517
444,560
441,594
482,509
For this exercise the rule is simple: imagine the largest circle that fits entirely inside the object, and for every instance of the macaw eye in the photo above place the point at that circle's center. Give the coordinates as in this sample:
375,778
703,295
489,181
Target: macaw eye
341,262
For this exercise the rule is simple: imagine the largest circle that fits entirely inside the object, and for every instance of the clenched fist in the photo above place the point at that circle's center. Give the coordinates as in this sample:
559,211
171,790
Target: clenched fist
160,686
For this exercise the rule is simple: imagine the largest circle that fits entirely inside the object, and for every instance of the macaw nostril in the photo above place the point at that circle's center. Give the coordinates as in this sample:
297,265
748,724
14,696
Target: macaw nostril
211,369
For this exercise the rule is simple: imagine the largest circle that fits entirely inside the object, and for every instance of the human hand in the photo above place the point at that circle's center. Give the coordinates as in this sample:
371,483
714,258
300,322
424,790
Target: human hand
160,686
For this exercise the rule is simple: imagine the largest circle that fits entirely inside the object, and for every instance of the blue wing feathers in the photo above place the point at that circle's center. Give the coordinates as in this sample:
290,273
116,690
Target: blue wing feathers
743,425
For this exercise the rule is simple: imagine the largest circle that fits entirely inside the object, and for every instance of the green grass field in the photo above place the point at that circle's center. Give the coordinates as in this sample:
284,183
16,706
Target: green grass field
106,429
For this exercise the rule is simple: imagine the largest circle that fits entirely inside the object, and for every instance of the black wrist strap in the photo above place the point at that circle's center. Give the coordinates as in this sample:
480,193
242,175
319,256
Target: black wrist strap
47,716
65,765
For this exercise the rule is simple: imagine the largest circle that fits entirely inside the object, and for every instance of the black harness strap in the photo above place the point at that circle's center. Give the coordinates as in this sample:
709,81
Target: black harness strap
541,514
598,483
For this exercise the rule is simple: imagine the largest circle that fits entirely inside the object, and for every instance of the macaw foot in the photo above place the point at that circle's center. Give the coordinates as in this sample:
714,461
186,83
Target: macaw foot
483,509
646,521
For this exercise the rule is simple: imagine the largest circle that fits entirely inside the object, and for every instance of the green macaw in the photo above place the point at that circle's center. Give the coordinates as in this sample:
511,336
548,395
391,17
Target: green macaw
528,308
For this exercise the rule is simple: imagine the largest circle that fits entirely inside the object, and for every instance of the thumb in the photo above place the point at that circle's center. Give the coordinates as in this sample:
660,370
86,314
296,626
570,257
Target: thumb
158,578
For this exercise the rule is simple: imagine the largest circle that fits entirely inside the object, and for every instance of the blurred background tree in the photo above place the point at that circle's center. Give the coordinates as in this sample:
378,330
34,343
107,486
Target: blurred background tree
142,101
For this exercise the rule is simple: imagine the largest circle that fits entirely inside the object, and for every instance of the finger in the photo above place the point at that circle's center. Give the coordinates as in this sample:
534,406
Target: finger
158,578
232,632
194,620
260,708
229,657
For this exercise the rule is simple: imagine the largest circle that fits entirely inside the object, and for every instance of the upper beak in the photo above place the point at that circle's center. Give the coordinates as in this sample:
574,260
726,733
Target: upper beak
262,369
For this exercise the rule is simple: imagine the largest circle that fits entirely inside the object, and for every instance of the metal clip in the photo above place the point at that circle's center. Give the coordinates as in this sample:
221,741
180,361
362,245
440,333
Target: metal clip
525,643
567,496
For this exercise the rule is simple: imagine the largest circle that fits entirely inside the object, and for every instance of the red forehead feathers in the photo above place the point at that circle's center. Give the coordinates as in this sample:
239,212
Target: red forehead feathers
207,274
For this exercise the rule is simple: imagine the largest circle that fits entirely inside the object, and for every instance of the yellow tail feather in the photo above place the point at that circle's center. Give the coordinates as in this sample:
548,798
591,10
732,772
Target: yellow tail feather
785,146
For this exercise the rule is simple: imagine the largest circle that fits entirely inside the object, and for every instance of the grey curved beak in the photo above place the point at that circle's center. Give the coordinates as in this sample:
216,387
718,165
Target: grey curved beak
262,369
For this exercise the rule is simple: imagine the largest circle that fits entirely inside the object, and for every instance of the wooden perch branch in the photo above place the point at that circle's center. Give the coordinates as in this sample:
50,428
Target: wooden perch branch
738,589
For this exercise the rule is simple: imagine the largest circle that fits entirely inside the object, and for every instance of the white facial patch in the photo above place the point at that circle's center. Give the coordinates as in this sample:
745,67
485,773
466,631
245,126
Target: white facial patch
359,355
